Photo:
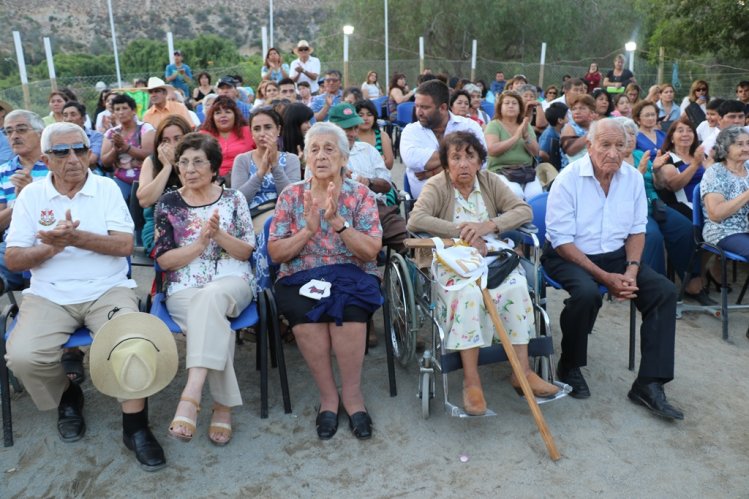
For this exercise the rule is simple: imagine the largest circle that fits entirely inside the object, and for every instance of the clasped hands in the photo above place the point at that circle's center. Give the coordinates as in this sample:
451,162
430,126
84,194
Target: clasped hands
210,230
622,286
472,232
64,234
312,209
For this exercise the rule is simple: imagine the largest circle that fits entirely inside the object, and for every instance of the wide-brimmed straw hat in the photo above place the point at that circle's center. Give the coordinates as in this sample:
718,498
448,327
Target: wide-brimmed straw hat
155,82
302,43
133,356
6,105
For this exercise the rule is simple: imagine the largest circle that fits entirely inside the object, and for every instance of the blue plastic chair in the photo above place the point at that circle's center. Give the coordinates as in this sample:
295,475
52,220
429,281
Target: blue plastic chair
404,113
538,205
488,108
698,221
254,315
380,104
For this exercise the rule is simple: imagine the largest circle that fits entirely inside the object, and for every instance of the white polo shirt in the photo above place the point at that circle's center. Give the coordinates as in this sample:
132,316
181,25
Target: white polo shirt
74,275
418,143
579,212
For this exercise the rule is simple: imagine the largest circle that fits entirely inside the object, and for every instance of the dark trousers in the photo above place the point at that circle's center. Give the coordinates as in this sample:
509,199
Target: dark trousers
656,301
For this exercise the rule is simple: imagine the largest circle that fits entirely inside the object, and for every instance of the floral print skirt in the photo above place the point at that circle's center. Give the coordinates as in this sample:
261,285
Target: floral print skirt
463,314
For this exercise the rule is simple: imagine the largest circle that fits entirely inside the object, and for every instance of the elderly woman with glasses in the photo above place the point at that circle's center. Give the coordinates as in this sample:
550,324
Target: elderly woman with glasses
326,234
204,238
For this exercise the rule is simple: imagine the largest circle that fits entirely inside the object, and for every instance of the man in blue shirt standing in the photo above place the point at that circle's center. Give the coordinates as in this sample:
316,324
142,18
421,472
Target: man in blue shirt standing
498,85
179,75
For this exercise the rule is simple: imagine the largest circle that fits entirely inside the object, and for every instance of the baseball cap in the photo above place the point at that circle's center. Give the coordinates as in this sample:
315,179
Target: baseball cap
344,115
227,81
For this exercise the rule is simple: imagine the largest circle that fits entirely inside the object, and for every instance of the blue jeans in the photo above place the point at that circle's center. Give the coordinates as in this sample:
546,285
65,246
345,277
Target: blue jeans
673,236
11,280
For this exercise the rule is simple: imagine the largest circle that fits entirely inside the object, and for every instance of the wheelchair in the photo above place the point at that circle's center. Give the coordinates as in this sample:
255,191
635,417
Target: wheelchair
410,308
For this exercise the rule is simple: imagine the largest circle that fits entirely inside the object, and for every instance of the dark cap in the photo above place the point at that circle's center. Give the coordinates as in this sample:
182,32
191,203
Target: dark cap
227,81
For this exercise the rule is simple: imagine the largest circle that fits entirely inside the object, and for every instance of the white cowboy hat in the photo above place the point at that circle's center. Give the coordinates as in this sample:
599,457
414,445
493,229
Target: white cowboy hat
133,356
302,43
155,82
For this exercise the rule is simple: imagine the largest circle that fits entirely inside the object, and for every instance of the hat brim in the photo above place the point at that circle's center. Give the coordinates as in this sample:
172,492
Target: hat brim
349,122
132,325
6,105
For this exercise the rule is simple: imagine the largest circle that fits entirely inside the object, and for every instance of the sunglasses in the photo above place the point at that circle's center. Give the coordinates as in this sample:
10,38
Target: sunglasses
20,130
700,90
63,150
303,49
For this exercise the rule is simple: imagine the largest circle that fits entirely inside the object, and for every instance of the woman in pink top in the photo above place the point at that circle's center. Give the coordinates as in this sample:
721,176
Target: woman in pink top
226,124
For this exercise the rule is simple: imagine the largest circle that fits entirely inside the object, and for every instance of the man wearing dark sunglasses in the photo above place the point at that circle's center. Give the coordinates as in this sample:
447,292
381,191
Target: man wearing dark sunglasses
305,68
23,130
73,230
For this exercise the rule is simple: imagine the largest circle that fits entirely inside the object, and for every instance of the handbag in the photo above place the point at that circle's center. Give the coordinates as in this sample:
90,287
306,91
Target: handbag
507,261
522,175
463,260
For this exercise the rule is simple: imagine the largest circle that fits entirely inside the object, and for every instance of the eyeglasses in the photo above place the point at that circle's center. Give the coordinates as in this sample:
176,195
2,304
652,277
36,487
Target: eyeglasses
197,163
333,80
62,151
20,130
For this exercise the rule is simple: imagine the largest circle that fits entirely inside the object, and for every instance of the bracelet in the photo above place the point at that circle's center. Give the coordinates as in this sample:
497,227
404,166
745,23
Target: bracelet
633,262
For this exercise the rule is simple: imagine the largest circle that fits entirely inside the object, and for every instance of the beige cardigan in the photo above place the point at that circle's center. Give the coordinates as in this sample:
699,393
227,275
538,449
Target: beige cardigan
435,207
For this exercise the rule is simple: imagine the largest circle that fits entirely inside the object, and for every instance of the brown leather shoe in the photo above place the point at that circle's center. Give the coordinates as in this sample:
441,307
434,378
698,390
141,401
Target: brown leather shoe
539,387
474,403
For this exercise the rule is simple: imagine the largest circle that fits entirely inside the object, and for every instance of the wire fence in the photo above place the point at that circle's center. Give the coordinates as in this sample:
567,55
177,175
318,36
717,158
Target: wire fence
721,78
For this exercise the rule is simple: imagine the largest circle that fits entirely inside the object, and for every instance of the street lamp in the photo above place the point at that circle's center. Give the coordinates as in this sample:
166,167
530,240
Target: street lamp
631,47
348,30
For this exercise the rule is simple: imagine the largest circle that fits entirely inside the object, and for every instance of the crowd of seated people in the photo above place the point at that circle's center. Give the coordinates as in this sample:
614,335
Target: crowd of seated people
206,196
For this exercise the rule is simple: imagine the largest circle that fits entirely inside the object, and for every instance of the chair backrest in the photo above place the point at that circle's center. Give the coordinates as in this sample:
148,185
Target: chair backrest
698,217
538,205
380,104
405,113
266,279
488,108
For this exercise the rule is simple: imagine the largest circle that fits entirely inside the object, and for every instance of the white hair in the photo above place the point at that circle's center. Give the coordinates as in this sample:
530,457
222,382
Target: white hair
58,129
325,128
606,123
34,120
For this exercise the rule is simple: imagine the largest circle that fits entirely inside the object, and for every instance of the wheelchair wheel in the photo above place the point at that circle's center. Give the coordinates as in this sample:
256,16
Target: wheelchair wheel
400,296
426,394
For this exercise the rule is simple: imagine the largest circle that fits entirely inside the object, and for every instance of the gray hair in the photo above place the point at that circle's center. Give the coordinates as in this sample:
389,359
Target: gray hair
471,88
630,127
35,122
58,129
528,88
605,123
726,138
324,128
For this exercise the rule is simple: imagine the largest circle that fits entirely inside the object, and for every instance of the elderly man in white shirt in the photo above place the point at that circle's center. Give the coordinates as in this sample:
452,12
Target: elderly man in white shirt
74,231
595,224
420,140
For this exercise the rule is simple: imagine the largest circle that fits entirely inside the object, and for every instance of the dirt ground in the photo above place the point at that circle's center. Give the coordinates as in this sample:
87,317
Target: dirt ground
609,446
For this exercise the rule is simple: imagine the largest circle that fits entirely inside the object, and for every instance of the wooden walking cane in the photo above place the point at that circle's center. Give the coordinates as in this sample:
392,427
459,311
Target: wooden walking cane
511,356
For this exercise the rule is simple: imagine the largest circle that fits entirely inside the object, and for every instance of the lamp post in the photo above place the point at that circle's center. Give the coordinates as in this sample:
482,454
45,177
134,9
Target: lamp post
631,47
348,30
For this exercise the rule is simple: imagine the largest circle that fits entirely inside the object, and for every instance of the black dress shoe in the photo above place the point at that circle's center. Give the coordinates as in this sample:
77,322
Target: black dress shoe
147,449
70,423
361,425
652,396
327,424
574,378
702,298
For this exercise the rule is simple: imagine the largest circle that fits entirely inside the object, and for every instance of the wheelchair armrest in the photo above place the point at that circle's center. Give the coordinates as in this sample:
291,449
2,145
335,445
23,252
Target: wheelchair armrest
528,228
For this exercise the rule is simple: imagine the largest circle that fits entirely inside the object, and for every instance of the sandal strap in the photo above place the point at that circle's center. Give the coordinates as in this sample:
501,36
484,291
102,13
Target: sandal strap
190,400
220,427
183,422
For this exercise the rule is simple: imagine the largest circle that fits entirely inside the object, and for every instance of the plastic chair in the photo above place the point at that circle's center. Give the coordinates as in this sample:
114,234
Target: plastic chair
538,205
254,315
488,108
404,113
698,221
380,104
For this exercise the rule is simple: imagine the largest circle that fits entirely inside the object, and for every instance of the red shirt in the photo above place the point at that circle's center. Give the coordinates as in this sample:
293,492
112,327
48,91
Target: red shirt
232,146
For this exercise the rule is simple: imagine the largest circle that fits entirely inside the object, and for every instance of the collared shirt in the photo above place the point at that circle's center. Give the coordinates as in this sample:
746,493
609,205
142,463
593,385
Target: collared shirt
418,143
154,116
74,275
7,189
579,212
312,65
6,152
95,139
179,82
318,102
471,209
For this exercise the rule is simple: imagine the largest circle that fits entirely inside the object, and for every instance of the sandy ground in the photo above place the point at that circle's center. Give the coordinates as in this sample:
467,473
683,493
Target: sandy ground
609,447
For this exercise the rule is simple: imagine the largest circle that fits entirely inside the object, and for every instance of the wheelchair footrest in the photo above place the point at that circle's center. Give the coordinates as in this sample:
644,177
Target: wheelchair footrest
542,346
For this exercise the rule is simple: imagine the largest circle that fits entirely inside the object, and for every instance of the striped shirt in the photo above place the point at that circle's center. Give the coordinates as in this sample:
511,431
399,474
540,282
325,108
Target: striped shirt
7,189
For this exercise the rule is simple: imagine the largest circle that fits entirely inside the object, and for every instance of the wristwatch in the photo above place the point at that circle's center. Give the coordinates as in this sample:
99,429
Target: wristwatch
345,226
